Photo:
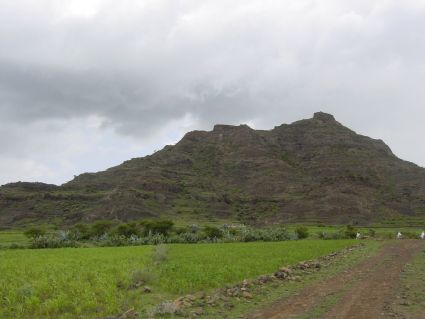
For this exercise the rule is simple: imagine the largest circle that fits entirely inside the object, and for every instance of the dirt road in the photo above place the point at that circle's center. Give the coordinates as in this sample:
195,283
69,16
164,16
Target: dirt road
365,291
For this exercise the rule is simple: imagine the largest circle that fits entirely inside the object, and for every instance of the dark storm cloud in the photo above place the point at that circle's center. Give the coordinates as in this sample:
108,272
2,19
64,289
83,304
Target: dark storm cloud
146,71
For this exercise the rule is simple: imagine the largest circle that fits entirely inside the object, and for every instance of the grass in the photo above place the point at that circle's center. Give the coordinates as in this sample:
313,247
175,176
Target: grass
9,237
204,266
93,282
412,302
269,294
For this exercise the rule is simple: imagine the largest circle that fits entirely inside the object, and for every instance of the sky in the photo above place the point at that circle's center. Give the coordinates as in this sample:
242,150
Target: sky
88,84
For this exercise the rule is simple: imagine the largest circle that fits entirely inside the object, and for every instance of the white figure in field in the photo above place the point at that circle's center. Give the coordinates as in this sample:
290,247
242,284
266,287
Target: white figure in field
399,235
358,236
423,235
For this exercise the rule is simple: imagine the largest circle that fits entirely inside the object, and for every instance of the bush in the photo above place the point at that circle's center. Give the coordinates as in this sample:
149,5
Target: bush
188,238
371,232
100,228
193,228
51,241
213,232
154,233
350,232
337,235
180,230
34,232
128,230
80,232
155,239
162,227
302,232
410,235
160,254
322,235
113,241
273,234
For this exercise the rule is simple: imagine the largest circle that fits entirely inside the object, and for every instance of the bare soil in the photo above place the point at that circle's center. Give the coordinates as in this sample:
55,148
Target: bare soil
366,291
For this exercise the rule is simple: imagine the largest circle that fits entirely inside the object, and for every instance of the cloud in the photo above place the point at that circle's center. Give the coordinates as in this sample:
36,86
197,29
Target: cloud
131,76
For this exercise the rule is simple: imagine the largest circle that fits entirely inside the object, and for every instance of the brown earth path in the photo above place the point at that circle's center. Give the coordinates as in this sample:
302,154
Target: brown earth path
365,291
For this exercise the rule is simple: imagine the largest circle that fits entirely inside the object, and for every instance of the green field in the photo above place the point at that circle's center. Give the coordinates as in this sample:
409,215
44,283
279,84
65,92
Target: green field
94,282
9,237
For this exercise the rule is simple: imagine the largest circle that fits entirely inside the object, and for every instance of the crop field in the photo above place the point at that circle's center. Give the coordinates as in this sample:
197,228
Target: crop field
9,237
98,282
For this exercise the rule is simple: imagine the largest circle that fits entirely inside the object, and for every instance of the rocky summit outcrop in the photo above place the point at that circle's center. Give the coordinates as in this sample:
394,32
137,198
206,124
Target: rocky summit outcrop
313,170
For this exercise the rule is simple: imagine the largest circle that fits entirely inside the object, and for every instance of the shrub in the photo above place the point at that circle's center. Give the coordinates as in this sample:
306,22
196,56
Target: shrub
162,227
337,235
127,230
234,231
268,234
302,232
34,232
371,232
193,228
155,239
350,232
160,254
189,238
213,232
100,228
155,233
322,235
80,232
248,235
410,235
113,241
52,241
180,230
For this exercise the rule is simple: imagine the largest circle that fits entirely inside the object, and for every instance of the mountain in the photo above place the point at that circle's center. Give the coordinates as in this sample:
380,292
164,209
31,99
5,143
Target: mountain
313,170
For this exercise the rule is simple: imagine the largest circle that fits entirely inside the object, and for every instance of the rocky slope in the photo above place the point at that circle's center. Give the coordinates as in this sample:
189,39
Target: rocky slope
311,170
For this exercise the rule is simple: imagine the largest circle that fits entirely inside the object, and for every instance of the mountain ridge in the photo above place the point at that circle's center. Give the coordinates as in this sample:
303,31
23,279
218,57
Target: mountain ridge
314,170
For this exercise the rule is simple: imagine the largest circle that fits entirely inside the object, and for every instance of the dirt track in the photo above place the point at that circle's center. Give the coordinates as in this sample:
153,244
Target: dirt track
365,291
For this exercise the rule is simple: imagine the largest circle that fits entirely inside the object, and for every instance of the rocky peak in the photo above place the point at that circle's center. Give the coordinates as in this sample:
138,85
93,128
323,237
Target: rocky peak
222,128
324,117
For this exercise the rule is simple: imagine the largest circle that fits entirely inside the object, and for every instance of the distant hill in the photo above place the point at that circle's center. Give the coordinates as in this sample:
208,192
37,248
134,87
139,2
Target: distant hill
313,170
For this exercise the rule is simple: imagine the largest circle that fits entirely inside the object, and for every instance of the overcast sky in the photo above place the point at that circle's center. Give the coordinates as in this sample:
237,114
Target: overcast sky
85,85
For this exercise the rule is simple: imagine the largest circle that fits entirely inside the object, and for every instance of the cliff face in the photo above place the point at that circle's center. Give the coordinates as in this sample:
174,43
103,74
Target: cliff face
310,170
